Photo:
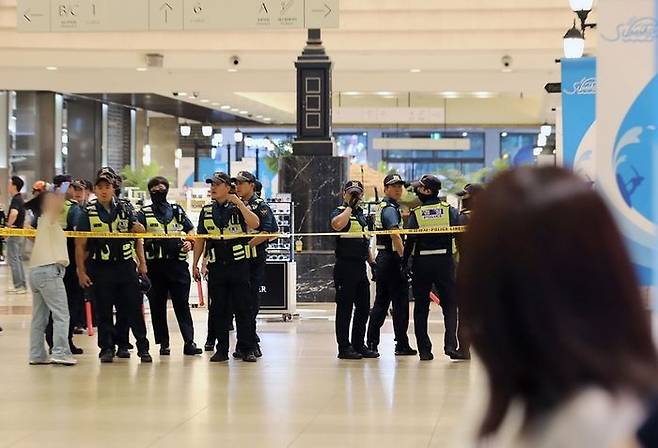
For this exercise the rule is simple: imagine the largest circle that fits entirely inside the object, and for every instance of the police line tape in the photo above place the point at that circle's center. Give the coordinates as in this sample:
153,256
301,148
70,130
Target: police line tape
31,233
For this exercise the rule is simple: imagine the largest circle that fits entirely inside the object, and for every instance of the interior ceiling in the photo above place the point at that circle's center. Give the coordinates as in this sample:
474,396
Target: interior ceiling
457,45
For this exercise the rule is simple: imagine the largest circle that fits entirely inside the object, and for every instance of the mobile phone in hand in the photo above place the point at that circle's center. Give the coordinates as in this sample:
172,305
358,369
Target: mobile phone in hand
64,187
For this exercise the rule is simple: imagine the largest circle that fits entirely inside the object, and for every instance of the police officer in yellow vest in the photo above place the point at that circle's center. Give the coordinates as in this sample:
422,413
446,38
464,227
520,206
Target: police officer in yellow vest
350,275
167,266
228,266
392,281
74,294
112,273
432,265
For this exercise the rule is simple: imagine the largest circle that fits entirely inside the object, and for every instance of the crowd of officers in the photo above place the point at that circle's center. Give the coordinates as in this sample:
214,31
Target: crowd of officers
114,272
424,260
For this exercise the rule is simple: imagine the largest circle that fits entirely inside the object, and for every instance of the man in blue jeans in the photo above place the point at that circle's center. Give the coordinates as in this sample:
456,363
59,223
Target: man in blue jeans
16,244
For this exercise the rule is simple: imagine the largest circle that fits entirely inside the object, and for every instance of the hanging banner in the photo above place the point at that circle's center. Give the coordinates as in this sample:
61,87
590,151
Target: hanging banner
627,120
579,115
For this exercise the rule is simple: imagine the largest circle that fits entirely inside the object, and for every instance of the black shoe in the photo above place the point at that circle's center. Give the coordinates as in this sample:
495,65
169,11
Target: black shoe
209,347
405,350
349,353
372,347
219,357
237,354
76,350
165,350
258,352
145,357
458,355
130,346
368,354
426,356
249,357
106,356
123,353
190,349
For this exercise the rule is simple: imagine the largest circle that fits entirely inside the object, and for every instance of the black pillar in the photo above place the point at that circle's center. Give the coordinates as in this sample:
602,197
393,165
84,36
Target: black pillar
312,174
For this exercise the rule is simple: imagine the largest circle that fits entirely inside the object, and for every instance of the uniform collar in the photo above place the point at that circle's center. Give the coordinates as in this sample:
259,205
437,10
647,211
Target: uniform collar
391,201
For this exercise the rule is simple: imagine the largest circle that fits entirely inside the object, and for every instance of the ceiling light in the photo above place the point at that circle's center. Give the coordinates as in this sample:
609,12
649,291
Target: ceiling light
351,93
464,134
546,129
267,119
185,130
178,154
537,151
581,5
450,94
233,109
141,69
484,94
225,107
504,134
238,136
541,140
384,93
574,43
205,101
206,130
243,112
232,70
259,116
217,139
390,97
52,68
415,70
182,93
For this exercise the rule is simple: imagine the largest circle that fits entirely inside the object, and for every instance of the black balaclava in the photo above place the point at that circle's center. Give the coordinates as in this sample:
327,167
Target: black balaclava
159,198
424,198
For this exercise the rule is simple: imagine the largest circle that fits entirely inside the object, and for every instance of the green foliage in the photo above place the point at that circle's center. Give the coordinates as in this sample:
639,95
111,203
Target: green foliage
278,152
139,178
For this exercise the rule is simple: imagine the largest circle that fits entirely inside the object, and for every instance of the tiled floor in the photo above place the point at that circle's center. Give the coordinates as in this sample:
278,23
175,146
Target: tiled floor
298,395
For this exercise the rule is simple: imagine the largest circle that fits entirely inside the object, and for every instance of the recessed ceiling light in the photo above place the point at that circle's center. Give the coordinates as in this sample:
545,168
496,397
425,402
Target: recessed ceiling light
141,69
225,107
390,97
233,109
182,93
384,93
259,116
450,94
415,70
267,119
232,70
351,93
484,94
205,101
243,112
51,68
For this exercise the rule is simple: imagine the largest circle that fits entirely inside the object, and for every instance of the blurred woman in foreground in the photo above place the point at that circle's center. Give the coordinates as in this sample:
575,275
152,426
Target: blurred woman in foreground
551,303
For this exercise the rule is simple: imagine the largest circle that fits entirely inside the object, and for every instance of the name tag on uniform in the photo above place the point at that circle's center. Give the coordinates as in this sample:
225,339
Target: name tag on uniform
435,213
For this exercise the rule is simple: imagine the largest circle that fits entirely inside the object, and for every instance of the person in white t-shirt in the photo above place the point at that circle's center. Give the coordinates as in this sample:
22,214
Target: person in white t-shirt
48,264
549,298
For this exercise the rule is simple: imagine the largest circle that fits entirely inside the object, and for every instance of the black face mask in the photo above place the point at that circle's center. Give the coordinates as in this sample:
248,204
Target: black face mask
159,197
425,197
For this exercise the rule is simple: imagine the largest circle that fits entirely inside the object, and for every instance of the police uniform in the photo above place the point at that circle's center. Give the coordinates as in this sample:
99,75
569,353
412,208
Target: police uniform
228,275
391,285
351,282
114,275
168,271
432,265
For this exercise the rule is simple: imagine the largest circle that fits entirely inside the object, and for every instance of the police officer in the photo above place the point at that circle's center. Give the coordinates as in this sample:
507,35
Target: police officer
112,272
74,294
168,270
350,274
468,196
245,188
392,281
228,266
432,264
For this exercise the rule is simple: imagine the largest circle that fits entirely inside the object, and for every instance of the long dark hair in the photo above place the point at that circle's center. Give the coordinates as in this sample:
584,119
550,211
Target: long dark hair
548,295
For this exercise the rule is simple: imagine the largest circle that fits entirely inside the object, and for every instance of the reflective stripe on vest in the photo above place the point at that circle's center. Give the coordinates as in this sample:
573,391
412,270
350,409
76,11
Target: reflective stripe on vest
356,229
239,251
155,226
432,216
120,224
64,216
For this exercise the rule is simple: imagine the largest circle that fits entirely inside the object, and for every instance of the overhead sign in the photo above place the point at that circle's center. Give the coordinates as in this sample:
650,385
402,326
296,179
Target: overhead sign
422,144
389,115
38,16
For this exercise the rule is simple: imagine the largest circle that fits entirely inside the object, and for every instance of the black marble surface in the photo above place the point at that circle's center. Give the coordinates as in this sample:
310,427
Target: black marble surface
316,183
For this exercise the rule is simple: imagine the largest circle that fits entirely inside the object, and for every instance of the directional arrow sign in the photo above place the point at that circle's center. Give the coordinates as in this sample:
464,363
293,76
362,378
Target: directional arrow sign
166,15
33,16
322,14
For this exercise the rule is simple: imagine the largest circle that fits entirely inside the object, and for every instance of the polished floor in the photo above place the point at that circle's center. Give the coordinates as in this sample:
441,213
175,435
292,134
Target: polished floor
298,395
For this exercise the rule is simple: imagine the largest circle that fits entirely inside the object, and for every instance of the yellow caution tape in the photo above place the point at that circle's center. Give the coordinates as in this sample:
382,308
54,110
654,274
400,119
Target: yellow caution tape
31,233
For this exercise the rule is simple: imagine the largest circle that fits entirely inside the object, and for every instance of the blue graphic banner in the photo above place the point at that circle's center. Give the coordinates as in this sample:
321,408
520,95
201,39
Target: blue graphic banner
579,115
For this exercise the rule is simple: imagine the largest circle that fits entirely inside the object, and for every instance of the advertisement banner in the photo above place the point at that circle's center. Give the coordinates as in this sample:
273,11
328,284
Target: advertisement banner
579,115
627,122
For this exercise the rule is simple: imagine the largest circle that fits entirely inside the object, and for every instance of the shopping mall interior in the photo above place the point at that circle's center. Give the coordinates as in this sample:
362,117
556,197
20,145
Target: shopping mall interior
306,96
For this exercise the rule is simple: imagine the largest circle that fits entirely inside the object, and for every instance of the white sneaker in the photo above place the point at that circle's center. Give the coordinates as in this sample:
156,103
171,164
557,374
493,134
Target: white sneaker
64,360
18,291
41,363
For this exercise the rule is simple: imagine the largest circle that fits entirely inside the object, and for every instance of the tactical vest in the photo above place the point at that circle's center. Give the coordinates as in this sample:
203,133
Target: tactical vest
229,250
384,242
64,216
260,250
164,249
354,245
110,249
432,216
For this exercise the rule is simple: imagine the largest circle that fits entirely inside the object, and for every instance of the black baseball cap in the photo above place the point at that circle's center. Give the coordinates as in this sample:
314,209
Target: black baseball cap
219,178
245,176
61,178
428,181
470,190
393,179
353,185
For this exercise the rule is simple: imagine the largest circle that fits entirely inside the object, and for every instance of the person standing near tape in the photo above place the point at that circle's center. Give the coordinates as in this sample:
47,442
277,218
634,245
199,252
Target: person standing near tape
468,197
392,280
350,274
432,264
112,272
245,188
166,260
228,266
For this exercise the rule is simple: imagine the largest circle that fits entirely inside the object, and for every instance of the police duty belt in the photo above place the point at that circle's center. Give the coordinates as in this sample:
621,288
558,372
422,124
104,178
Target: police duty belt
31,233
